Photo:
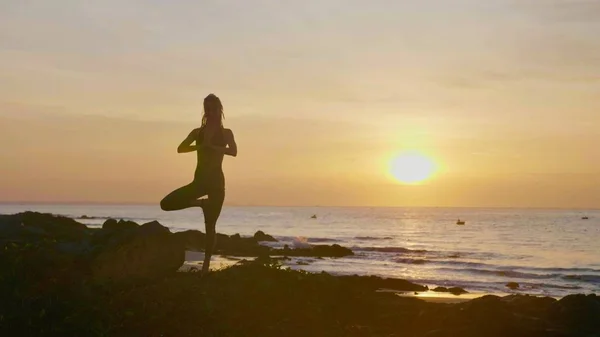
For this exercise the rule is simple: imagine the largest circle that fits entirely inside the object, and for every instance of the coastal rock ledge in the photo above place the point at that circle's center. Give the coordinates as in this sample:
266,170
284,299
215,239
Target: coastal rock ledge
124,251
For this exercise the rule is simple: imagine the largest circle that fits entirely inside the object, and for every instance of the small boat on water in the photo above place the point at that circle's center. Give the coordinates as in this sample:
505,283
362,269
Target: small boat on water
460,222
314,216
584,218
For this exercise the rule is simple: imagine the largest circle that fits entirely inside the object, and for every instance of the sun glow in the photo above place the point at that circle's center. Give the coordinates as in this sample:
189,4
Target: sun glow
412,167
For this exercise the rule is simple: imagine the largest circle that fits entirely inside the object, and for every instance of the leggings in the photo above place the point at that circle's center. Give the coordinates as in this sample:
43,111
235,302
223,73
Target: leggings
184,197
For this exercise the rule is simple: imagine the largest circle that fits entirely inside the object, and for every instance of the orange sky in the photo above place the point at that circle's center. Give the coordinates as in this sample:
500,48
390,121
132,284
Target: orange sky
503,96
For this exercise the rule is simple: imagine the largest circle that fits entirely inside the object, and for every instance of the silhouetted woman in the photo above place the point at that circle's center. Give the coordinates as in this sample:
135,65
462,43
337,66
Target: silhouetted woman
212,142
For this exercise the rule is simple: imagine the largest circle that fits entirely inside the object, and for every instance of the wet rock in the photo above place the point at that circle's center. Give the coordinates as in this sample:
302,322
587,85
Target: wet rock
512,285
453,290
261,236
316,251
334,250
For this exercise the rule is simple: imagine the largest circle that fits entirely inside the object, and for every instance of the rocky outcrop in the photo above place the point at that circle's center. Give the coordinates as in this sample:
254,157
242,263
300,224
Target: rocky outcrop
124,251
236,245
577,313
33,226
261,236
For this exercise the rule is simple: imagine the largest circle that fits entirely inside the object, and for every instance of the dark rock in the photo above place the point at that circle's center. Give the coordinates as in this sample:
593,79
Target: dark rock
123,251
512,285
529,301
236,245
532,306
191,240
152,228
261,236
113,233
411,261
488,315
146,252
375,282
316,251
35,226
577,312
112,224
75,248
14,231
334,250
239,246
453,290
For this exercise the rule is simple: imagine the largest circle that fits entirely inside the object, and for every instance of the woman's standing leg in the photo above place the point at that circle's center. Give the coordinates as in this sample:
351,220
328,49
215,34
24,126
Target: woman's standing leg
212,209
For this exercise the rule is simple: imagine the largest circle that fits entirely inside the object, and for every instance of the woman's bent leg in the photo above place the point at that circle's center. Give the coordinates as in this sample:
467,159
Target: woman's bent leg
182,198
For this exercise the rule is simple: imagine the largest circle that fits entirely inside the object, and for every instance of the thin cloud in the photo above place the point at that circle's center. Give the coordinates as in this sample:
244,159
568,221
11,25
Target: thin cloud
478,80
562,10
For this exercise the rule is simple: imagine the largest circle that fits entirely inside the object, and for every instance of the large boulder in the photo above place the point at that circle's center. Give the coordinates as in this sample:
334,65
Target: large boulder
33,226
145,252
112,224
577,312
527,305
261,236
239,246
191,240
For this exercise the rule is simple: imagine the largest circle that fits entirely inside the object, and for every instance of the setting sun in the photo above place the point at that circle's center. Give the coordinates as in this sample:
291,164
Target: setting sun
412,167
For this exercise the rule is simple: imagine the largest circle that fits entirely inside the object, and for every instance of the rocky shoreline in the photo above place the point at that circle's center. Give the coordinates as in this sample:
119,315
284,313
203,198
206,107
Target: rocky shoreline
61,278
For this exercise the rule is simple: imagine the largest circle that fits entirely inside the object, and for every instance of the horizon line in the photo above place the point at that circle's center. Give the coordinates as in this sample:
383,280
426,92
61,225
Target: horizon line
85,203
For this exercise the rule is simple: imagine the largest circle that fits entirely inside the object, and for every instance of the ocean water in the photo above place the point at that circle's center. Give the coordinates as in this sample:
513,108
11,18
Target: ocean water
548,252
